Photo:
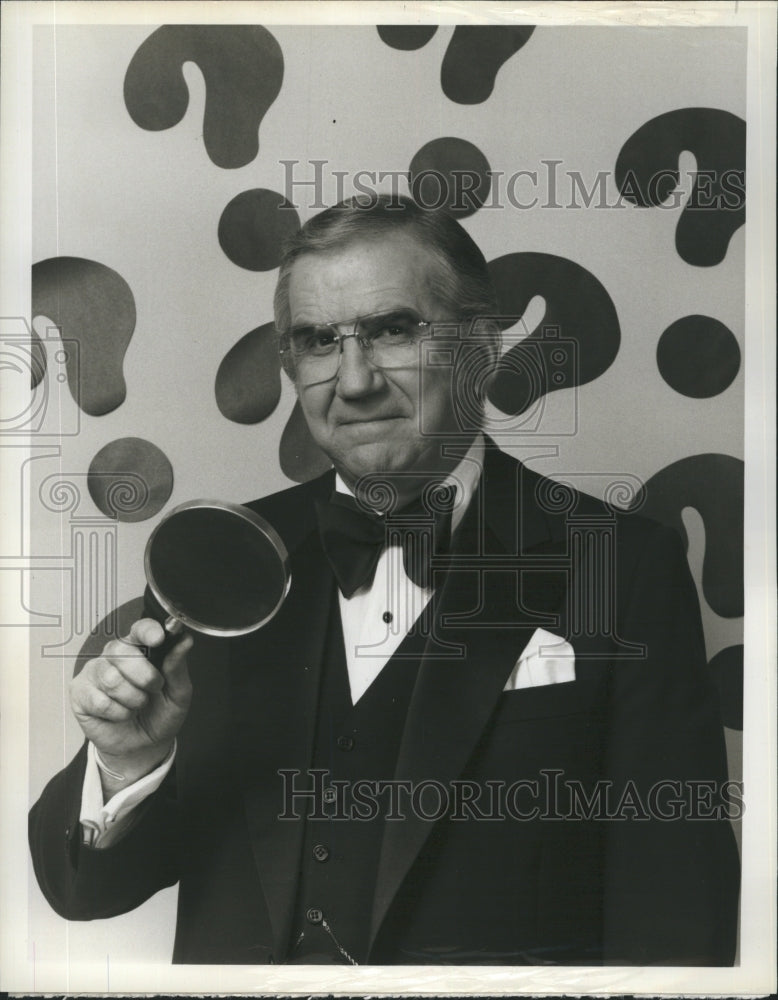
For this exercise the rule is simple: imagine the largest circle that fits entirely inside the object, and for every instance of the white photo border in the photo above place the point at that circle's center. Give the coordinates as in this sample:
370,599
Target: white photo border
756,972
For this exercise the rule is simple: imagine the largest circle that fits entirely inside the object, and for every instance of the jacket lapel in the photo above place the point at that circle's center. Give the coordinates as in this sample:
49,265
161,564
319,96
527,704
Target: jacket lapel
275,689
483,619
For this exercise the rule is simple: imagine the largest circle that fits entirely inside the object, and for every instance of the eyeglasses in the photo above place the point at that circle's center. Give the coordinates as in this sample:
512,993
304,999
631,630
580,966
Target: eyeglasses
389,340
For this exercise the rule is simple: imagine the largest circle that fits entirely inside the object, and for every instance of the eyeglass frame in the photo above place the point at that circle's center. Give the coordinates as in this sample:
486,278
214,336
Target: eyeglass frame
364,343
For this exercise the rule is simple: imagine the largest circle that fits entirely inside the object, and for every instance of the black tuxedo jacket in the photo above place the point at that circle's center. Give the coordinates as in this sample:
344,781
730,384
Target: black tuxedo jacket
656,882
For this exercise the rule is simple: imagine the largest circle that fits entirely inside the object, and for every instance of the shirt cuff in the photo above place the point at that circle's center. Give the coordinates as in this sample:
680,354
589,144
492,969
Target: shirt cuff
104,823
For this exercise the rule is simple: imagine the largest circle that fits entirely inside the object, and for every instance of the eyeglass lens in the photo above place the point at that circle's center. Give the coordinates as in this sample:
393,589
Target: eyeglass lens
389,339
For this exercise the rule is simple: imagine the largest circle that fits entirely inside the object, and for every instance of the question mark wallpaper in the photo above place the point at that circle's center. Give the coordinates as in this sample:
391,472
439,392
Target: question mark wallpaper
600,169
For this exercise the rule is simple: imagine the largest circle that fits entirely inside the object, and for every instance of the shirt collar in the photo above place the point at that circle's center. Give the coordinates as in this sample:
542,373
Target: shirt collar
464,477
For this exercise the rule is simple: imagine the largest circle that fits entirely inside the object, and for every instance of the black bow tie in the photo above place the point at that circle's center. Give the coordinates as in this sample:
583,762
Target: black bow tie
353,539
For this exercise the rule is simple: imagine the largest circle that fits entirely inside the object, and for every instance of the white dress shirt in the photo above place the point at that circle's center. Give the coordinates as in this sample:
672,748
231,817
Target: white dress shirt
102,824
377,617
375,621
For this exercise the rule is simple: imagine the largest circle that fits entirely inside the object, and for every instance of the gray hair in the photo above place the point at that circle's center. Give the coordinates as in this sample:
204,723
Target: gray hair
461,282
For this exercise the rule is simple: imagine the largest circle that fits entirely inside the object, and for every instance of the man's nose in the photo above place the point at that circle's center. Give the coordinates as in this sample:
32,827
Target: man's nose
357,376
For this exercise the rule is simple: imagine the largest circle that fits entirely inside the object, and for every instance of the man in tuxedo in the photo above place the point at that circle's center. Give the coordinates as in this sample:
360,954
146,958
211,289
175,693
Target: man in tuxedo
479,730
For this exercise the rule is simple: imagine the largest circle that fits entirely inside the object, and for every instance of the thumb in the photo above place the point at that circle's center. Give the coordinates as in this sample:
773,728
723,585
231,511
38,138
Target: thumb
146,632
175,670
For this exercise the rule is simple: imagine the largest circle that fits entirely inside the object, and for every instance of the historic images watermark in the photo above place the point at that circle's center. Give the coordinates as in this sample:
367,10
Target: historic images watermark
314,185
550,796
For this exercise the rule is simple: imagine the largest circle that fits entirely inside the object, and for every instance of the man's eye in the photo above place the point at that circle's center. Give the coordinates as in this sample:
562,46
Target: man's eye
396,331
314,341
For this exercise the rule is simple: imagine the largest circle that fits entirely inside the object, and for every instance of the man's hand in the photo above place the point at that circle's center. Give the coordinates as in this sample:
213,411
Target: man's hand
128,709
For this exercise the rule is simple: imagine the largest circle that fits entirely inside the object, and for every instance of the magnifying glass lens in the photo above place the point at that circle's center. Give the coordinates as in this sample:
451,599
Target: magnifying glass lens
216,568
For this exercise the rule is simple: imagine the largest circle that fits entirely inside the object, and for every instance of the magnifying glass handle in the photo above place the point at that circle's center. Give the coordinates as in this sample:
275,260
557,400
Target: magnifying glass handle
173,629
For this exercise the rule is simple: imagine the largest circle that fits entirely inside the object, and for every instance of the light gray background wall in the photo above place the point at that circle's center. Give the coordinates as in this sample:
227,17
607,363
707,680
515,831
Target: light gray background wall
147,205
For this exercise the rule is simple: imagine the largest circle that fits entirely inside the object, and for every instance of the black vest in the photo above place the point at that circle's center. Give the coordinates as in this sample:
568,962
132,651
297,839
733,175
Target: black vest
355,746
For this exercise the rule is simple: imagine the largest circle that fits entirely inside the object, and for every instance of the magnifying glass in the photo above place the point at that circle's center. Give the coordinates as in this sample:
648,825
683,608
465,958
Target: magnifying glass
217,568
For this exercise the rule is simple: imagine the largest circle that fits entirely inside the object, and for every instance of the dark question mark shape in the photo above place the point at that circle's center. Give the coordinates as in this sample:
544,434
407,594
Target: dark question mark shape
94,306
473,57
446,163
243,67
130,479
698,356
301,458
713,485
254,227
248,382
647,174
577,305
406,37
726,669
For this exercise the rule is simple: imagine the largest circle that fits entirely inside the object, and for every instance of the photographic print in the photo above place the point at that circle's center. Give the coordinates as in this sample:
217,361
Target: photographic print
389,495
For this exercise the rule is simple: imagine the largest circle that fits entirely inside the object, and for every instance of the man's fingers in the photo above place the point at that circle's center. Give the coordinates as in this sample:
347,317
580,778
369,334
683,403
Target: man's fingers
176,671
135,669
119,687
122,649
99,705
144,632
112,682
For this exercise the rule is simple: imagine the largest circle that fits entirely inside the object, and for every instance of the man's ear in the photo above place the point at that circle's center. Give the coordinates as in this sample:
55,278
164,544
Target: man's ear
286,360
486,331
478,356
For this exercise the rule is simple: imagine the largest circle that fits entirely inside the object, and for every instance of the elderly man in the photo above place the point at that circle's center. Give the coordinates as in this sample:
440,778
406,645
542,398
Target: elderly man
425,757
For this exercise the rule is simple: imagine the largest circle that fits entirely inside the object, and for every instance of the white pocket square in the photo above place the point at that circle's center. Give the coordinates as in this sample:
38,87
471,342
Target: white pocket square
547,659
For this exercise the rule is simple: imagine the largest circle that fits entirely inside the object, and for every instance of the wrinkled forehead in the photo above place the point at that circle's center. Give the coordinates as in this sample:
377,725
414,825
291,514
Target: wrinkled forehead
365,276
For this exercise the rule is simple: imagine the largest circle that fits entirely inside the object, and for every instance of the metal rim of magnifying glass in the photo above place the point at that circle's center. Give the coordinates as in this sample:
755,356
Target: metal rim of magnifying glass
247,515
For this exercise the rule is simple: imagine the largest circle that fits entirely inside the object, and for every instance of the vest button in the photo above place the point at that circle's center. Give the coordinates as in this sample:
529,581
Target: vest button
345,743
387,617
314,916
320,852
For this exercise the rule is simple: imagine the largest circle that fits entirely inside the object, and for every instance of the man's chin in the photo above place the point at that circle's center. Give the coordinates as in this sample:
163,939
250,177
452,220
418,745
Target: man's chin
405,465
374,458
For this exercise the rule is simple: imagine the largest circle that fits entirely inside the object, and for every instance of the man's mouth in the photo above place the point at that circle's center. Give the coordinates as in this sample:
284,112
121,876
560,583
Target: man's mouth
379,418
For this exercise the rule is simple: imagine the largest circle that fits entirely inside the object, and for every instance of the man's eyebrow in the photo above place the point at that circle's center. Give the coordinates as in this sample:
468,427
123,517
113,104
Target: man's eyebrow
306,323
387,311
